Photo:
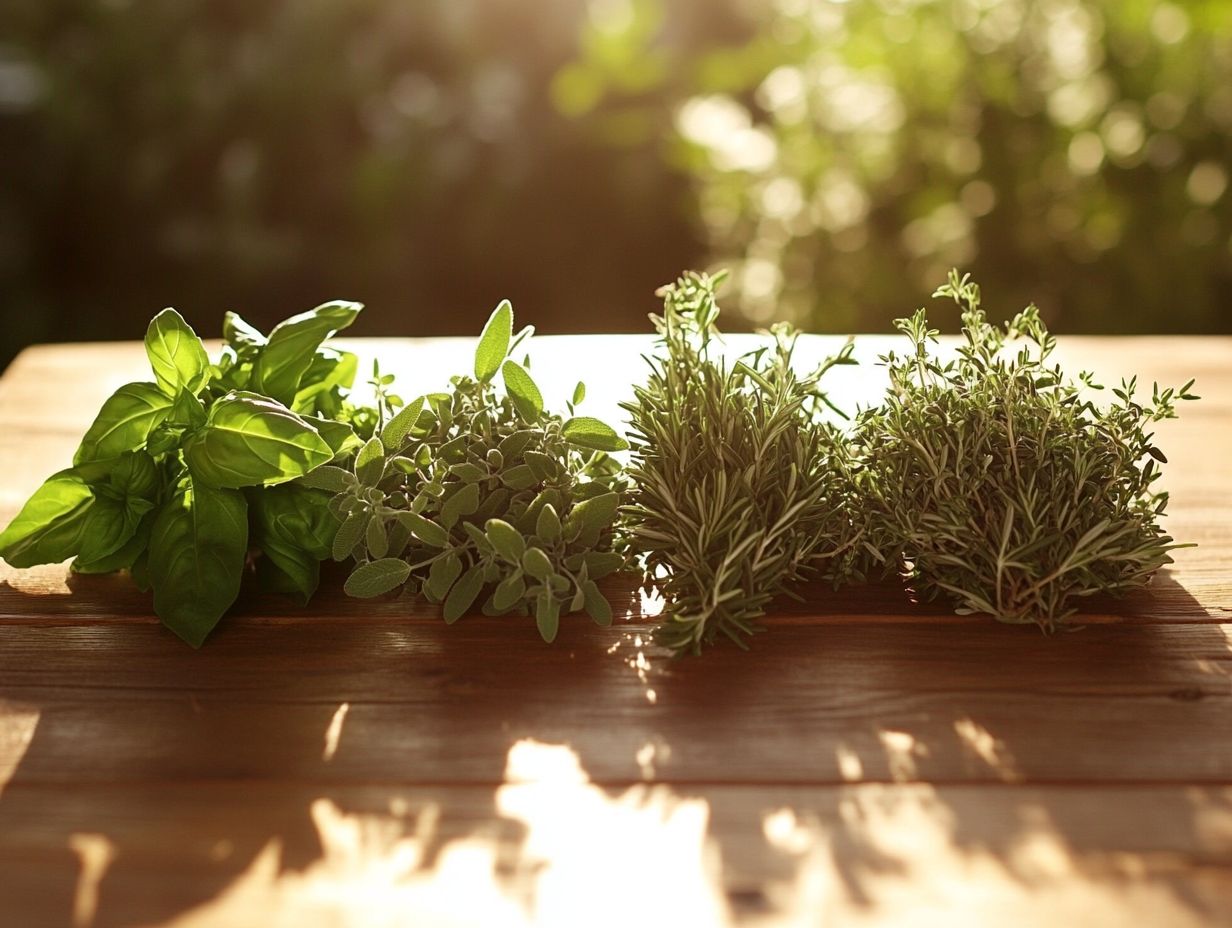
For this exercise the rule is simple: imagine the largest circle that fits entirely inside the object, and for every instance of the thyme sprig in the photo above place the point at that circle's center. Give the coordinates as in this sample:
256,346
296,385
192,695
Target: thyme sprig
1001,483
740,488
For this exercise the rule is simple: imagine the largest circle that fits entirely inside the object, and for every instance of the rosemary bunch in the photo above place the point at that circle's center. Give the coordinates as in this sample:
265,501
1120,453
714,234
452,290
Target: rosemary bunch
479,495
740,488
1004,487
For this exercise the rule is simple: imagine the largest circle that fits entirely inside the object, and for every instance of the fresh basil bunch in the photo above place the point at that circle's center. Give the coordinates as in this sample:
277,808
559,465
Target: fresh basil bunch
168,479
469,491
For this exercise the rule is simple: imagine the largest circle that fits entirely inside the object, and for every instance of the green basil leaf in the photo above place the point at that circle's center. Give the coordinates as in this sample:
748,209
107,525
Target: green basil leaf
547,616
377,577
176,354
187,410
292,345
340,437
462,596
294,573
295,530
586,432
320,388
243,337
50,526
124,423
494,342
506,539
197,550
124,556
522,390
250,440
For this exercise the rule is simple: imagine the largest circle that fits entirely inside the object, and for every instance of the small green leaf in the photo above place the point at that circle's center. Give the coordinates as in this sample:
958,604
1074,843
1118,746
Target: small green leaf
547,616
250,440
240,335
597,607
462,503
328,477
349,534
176,354
515,443
589,517
494,342
377,577
187,410
601,563
506,539
586,432
425,530
370,462
468,472
441,576
520,477
536,563
124,423
376,537
340,437
522,390
547,526
396,429
509,591
579,393
463,594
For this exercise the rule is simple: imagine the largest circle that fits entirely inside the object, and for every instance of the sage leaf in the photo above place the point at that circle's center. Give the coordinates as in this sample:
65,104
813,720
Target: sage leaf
536,563
424,529
597,607
547,616
396,429
494,342
506,539
462,596
589,517
377,577
441,576
522,390
587,432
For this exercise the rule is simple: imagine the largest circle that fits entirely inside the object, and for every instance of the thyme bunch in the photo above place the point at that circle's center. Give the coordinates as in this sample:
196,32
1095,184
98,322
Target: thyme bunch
1003,486
740,488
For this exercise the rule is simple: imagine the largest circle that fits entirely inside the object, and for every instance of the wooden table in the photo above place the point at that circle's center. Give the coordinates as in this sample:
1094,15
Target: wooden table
869,762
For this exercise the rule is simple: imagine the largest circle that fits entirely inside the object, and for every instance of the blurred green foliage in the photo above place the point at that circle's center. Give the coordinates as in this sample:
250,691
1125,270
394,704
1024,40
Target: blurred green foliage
844,154
429,158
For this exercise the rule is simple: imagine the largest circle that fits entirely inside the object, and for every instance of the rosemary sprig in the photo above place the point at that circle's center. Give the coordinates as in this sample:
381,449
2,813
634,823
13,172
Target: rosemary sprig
740,488
1002,485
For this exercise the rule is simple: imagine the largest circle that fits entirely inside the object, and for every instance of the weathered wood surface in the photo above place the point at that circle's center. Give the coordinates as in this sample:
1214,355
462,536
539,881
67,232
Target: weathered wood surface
871,761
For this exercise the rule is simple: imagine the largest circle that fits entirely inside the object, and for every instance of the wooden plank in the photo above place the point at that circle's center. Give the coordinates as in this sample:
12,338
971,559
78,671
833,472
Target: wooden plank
870,853
431,703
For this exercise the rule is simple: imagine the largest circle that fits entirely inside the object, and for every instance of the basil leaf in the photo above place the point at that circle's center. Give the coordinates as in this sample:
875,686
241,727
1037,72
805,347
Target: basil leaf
586,432
240,335
50,526
197,551
463,594
120,503
522,390
124,423
377,577
340,437
494,342
320,388
176,354
292,344
250,440
295,529
187,410
124,556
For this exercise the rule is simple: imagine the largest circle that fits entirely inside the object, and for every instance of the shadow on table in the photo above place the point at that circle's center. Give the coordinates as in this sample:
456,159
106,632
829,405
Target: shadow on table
294,757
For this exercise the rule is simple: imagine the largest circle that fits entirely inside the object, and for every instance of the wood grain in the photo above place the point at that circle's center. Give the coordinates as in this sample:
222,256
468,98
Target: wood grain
872,760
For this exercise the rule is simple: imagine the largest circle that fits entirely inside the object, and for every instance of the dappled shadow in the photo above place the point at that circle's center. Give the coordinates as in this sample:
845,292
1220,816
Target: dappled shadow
873,760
